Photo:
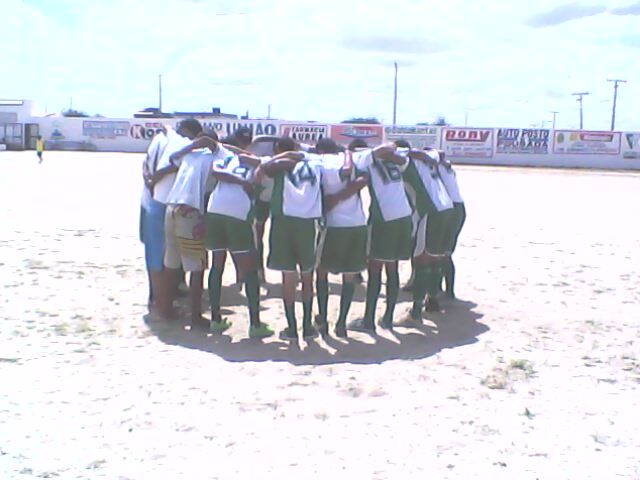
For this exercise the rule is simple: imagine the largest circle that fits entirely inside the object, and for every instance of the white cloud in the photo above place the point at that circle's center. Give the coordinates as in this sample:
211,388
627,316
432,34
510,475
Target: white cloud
328,60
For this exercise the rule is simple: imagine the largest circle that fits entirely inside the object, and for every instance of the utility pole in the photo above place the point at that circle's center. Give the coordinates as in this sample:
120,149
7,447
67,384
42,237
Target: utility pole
160,93
554,119
395,92
580,95
269,112
615,99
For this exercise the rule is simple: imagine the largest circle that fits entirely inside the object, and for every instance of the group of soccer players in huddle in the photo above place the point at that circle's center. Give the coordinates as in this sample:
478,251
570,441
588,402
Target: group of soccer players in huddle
204,194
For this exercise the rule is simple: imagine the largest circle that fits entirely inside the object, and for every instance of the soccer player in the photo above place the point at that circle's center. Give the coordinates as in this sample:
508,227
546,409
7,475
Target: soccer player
454,226
229,227
184,220
389,229
344,242
432,204
160,182
39,148
152,214
296,205
264,147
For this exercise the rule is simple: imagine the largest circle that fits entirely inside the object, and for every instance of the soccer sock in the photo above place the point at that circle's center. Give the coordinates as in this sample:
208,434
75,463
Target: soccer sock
393,284
215,285
419,290
307,306
373,292
432,279
322,285
290,313
252,291
346,296
449,271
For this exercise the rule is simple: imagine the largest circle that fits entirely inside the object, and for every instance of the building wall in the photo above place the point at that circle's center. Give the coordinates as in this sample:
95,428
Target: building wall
480,146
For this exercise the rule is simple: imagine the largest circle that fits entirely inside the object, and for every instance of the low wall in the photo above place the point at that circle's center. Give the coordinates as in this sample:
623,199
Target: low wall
479,146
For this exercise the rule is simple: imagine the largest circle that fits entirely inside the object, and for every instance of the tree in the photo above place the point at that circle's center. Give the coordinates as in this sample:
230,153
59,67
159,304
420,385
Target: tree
440,121
70,112
363,120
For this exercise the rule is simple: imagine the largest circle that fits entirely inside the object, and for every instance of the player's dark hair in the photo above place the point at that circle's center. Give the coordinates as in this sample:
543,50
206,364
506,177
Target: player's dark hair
286,144
191,124
327,145
357,143
402,143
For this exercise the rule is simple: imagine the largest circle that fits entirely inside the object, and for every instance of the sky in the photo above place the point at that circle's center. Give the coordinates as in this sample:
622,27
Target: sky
487,63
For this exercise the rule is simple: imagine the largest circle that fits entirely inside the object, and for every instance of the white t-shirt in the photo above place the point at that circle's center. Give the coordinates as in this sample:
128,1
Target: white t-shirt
349,212
229,198
298,192
154,152
433,185
448,176
174,143
190,184
388,198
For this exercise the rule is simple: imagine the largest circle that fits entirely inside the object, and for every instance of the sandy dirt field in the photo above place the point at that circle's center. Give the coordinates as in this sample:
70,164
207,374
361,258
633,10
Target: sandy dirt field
533,374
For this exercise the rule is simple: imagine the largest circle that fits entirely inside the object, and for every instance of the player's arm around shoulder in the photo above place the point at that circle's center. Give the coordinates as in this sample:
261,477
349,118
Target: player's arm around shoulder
388,152
280,163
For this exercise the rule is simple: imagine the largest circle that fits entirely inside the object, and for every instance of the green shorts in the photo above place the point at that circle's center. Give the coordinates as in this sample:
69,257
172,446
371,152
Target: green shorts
455,221
344,249
262,210
390,241
292,244
431,233
223,232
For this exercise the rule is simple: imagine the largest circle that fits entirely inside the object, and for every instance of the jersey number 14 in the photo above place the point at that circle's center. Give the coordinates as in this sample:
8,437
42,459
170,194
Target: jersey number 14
304,173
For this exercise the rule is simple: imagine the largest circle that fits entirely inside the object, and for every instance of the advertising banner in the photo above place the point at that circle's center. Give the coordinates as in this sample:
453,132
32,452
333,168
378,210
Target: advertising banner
346,133
224,128
419,136
523,140
631,145
145,130
306,133
104,128
586,143
468,142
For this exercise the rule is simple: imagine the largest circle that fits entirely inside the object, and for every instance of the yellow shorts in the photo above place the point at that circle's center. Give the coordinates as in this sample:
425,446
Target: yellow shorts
184,239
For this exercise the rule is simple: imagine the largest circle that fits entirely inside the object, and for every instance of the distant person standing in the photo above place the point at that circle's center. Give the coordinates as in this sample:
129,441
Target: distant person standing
39,148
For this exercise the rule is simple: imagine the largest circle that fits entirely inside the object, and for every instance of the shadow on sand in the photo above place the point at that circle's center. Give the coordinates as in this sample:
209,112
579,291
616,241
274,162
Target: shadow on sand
455,326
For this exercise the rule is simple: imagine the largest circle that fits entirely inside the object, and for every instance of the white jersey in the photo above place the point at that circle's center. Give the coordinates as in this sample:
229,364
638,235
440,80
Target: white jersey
174,143
298,193
349,212
434,186
230,199
266,184
448,176
388,198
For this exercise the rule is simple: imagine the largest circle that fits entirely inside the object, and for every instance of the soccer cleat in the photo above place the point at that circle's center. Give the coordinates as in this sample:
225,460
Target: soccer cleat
386,323
359,325
432,305
410,321
309,332
260,331
219,326
288,334
340,331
